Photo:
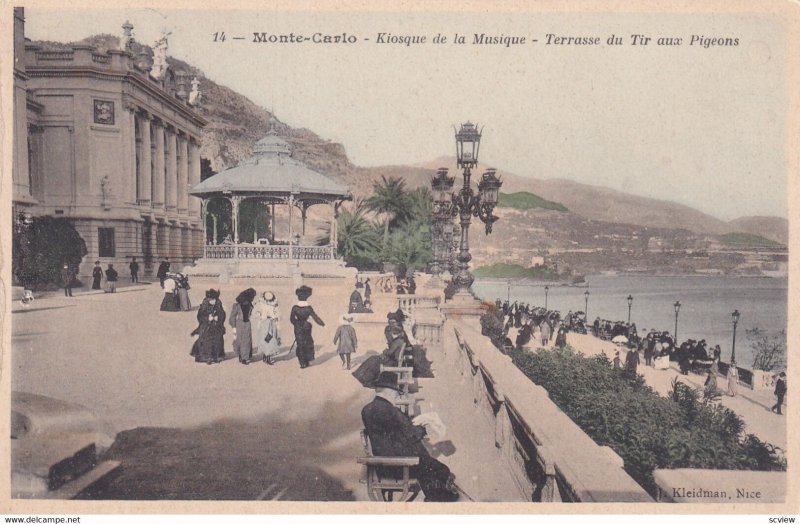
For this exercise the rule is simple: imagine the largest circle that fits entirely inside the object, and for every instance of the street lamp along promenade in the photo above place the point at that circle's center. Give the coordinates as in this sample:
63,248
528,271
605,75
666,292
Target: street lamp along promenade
586,308
546,289
735,316
677,310
442,227
630,303
465,203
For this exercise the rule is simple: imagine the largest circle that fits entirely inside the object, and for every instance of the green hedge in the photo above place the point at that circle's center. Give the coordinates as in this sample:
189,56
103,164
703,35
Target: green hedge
524,200
617,409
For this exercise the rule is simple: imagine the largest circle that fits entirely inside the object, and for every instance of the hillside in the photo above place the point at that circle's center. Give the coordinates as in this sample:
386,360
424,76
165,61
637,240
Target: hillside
773,228
235,123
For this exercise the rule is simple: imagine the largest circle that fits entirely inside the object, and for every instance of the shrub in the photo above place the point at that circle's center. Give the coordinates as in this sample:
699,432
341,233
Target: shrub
41,249
616,408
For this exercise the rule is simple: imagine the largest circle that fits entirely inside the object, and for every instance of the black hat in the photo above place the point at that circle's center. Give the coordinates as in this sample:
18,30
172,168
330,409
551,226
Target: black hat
303,292
400,315
388,380
212,293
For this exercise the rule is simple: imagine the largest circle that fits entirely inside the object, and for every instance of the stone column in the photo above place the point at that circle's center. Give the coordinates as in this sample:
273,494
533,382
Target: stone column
131,153
160,165
183,176
194,176
171,195
145,161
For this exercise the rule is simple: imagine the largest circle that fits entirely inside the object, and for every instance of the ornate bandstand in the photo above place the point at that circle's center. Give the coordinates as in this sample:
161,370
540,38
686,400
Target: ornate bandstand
272,179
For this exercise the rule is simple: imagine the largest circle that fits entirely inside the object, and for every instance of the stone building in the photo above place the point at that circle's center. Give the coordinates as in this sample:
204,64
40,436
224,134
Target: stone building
111,141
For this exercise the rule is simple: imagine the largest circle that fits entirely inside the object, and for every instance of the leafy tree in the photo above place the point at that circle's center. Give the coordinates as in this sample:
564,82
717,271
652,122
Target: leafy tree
41,249
769,350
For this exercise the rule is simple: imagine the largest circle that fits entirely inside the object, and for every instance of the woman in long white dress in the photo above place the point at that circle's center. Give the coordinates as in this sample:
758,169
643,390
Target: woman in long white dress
265,334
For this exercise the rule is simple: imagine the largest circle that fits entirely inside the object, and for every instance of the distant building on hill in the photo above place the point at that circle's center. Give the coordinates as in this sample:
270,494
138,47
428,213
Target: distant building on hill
111,141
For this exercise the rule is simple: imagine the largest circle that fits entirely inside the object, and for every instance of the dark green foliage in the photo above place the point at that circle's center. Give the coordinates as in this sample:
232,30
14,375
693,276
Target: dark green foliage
42,248
617,409
748,239
403,238
525,200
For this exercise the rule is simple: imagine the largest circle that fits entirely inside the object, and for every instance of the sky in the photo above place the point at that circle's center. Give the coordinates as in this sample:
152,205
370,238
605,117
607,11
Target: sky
702,126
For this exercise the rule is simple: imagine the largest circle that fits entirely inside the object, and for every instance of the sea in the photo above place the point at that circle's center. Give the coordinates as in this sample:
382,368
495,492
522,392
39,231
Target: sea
707,303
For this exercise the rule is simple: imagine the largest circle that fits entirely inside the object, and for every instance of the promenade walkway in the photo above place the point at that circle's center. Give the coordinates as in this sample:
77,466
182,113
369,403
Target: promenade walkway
751,406
190,431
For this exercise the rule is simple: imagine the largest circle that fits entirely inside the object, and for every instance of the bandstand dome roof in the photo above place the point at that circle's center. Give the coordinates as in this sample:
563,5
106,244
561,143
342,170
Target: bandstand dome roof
271,169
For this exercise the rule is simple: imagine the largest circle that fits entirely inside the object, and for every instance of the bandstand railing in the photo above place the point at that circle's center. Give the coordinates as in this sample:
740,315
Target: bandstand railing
264,252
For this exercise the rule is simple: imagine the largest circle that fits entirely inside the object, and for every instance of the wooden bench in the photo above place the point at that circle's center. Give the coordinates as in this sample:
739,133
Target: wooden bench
388,479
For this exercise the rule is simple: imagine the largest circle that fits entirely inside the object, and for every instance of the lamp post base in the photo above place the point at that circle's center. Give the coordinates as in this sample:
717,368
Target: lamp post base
462,305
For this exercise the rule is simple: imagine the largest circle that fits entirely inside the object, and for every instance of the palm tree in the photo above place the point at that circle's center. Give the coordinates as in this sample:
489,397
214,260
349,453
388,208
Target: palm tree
357,238
389,197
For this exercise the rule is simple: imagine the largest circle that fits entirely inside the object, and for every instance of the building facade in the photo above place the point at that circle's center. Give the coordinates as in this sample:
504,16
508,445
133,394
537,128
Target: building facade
110,141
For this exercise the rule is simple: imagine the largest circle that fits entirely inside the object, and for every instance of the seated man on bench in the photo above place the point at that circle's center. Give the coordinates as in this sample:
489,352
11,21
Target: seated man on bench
392,434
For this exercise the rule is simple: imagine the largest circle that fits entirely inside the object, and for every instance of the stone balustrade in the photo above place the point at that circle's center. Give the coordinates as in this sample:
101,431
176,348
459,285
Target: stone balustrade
266,252
550,457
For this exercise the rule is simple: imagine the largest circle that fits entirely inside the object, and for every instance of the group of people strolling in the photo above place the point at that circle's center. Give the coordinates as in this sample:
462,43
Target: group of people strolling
254,319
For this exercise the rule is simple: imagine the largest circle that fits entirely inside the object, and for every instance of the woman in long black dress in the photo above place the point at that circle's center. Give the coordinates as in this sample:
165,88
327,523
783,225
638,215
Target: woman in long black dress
210,345
302,327
97,274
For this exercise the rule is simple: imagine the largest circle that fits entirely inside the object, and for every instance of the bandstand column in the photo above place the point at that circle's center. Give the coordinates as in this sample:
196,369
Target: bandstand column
272,229
291,226
235,217
334,229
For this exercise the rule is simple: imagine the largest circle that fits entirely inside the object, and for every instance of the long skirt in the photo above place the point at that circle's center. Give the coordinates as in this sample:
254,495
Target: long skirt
267,329
95,282
170,302
243,344
183,298
210,345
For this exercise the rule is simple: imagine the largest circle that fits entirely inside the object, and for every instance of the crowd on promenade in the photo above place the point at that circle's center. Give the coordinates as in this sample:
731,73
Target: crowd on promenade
522,325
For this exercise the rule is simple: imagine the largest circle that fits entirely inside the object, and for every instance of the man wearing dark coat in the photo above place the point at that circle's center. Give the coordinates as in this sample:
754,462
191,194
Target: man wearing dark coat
632,361
780,392
163,269
134,267
67,277
392,434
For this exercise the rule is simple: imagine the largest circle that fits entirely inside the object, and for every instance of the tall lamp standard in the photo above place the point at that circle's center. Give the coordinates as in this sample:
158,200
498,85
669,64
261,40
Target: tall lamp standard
630,303
442,214
467,204
735,316
546,289
677,310
586,309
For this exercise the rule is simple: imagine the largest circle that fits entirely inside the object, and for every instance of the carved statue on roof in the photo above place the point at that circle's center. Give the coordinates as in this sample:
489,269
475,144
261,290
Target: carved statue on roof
126,41
195,95
160,56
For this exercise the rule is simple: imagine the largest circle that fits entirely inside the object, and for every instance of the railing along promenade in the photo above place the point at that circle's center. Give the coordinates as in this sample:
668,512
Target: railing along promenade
265,252
550,457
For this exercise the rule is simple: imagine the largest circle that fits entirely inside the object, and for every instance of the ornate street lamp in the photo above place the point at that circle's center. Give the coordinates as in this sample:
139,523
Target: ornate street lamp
467,204
677,310
586,309
735,316
546,289
630,303
442,200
